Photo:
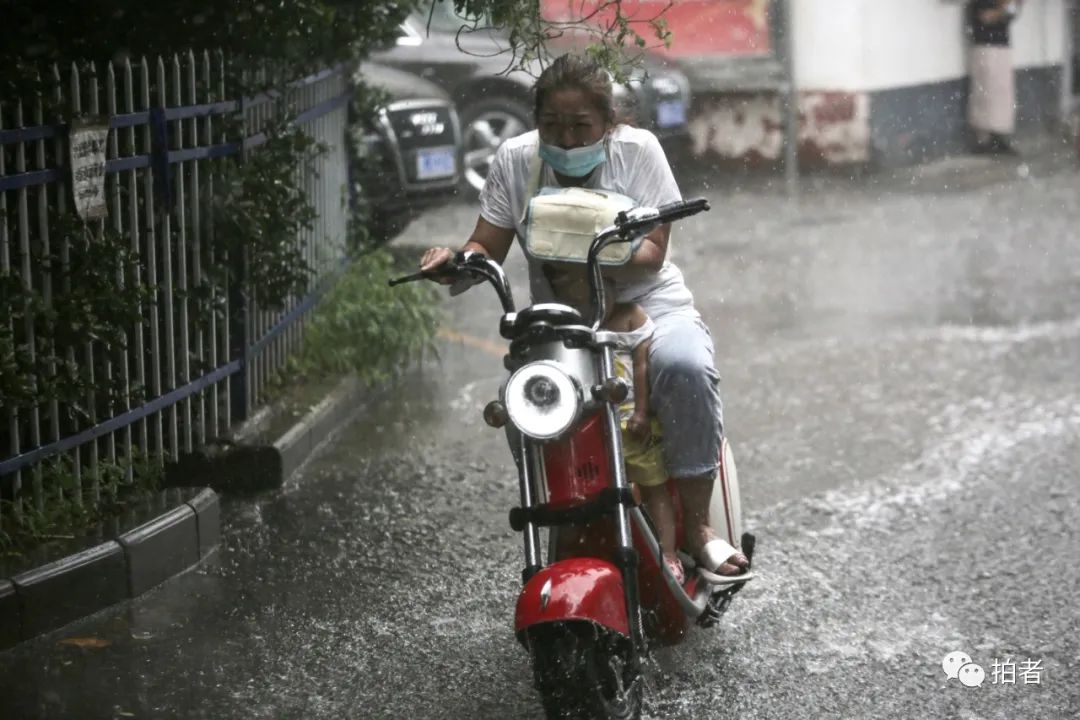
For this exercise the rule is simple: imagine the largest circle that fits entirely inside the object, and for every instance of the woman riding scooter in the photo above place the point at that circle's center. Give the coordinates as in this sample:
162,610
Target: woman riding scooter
580,144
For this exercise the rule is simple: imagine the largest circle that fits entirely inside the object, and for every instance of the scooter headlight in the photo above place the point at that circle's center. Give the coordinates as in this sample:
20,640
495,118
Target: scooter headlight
542,400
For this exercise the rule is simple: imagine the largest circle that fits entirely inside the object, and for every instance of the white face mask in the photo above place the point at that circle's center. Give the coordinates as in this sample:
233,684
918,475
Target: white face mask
576,162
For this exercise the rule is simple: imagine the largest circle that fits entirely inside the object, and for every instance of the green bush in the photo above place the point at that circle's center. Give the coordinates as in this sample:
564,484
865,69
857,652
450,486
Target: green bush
367,328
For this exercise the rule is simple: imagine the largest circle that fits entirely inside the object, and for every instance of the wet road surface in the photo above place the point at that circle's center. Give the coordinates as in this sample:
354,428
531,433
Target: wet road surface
901,388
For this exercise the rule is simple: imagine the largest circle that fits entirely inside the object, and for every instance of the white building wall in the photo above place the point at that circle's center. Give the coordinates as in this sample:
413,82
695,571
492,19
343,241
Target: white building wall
912,42
867,45
1040,32
828,43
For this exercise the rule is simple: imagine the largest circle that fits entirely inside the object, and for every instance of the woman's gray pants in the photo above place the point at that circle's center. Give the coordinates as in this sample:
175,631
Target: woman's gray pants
685,395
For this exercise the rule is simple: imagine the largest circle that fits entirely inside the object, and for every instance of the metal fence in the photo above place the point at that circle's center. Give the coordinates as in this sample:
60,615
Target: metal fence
166,145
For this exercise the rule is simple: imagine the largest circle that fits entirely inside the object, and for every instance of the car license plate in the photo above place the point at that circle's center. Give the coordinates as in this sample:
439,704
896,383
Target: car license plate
435,163
670,113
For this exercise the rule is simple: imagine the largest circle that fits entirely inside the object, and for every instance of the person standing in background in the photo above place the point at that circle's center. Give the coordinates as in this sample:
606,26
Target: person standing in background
992,94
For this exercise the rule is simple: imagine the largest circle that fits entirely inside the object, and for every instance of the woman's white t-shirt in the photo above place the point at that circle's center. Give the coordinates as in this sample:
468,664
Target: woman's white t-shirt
635,166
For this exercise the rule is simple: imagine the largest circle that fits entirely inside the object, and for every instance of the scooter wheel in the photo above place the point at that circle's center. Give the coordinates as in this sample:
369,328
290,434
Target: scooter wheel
582,671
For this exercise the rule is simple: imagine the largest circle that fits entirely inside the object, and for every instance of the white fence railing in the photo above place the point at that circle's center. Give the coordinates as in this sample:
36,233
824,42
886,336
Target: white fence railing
165,126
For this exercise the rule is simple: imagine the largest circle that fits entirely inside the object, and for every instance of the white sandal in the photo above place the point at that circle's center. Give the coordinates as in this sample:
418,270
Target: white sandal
715,553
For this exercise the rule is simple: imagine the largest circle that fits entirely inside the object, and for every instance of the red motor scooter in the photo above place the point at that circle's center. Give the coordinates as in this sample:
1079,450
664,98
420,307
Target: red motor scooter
600,593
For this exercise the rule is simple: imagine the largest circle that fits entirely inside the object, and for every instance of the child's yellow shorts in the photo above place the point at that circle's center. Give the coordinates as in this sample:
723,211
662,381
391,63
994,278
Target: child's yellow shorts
644,461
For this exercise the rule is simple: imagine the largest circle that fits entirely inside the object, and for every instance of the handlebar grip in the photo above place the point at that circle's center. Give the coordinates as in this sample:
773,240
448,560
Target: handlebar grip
454,266
408,278
681,209
444,270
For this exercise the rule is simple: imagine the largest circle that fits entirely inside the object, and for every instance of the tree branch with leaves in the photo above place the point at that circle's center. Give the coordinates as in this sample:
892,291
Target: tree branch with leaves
615,33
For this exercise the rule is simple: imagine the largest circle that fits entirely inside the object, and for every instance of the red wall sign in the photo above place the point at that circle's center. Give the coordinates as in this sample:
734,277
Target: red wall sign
699,27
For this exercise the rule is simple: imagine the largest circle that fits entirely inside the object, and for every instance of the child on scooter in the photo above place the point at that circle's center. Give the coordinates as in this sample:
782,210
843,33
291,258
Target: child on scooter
642,452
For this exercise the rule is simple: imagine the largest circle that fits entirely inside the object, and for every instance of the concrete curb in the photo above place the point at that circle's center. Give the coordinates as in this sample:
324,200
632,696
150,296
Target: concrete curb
319,425
256,459
59,592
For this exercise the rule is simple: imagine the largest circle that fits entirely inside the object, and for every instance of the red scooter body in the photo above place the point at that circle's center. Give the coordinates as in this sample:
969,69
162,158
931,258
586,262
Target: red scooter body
582,583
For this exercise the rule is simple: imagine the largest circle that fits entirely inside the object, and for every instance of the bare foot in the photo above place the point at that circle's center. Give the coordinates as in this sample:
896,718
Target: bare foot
733,564
737,563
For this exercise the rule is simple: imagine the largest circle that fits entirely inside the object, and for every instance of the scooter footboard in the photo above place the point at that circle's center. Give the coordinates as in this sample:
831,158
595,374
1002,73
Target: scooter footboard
574,589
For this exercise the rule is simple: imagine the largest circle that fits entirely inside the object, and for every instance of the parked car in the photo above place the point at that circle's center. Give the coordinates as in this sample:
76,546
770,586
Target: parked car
495,105
411,149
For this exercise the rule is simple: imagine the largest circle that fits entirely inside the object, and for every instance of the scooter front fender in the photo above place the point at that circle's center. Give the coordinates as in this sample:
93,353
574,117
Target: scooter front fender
574,589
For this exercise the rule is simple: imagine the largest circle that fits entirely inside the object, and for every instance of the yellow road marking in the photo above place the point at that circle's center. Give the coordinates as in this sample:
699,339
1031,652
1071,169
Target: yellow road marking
88,643
479,343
